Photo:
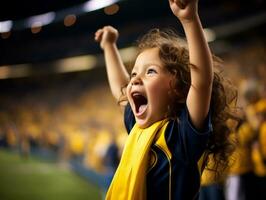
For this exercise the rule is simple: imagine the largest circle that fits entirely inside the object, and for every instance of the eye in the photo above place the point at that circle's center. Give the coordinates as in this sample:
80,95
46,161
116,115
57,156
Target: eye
151,71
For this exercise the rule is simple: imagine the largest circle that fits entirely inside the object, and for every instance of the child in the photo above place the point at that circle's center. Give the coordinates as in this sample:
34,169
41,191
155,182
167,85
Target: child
174,100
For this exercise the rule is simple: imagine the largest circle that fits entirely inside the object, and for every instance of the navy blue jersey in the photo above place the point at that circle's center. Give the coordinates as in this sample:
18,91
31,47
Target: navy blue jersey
173,171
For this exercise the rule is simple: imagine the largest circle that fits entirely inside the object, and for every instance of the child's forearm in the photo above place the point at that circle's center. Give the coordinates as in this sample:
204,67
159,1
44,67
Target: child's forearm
199,54
117,74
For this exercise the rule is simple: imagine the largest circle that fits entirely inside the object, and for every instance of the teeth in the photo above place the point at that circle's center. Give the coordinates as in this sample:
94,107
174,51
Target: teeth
136,94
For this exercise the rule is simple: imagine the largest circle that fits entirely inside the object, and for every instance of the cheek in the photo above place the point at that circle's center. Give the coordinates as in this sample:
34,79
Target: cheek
160,93
161,87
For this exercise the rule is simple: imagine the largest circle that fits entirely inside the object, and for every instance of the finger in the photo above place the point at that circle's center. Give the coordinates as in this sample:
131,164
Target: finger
108,28
181,3
98,35
99,31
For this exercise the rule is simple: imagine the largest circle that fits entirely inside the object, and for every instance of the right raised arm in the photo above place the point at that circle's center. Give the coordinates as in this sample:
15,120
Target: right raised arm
118,76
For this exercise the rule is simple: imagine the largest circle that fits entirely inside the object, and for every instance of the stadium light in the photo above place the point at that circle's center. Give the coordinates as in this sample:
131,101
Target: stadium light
41,20
96,4
14,71
6,26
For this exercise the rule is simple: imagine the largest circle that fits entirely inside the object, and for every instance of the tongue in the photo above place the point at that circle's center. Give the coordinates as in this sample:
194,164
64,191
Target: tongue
142,108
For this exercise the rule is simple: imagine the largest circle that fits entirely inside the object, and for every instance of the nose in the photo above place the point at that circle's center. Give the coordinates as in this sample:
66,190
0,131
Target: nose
136,80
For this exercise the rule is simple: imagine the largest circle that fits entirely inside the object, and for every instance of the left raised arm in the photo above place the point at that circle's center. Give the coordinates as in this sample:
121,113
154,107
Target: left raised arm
199,95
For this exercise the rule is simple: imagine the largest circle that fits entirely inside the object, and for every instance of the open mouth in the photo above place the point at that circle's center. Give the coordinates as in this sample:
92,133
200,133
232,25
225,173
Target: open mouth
140,102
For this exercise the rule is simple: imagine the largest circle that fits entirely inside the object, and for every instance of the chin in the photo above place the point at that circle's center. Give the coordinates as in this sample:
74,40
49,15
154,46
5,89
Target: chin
142,124
145,123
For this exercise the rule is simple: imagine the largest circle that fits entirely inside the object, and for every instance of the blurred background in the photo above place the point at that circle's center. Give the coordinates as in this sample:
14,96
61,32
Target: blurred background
62,133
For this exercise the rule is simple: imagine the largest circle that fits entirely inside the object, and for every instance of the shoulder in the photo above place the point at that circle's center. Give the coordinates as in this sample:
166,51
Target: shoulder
183,123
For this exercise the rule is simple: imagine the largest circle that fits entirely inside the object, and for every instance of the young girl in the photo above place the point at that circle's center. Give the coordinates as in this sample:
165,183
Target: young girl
174,102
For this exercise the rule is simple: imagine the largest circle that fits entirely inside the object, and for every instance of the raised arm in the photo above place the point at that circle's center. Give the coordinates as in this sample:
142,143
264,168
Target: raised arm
117,74
199,96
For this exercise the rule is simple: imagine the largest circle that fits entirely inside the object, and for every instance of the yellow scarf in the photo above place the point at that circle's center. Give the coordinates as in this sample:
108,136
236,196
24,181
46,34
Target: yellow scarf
129,182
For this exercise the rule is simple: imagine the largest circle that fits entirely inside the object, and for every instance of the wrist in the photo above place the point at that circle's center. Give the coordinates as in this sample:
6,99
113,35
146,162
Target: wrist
188,21
108,45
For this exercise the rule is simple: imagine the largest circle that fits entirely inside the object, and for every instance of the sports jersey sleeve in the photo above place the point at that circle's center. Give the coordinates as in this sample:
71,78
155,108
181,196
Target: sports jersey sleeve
184,140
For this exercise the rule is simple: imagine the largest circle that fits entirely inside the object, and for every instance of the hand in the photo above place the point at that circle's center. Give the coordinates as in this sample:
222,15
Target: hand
185,10
106,35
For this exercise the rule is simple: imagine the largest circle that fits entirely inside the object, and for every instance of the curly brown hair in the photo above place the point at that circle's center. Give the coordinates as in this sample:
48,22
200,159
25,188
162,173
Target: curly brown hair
174,55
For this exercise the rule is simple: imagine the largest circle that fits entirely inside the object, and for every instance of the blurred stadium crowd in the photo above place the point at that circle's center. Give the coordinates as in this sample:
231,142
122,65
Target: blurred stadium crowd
74,117
245,177
69,119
